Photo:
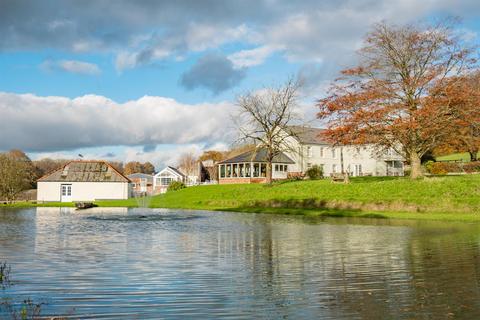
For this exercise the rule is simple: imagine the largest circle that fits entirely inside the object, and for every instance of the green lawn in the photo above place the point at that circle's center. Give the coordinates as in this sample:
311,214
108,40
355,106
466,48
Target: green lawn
444,198
441,198
465,157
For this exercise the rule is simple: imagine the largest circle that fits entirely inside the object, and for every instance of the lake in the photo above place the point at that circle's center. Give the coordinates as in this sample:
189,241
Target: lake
106,263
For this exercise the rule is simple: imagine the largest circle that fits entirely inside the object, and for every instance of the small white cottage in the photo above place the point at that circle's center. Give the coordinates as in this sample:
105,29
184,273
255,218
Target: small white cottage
83,180
162,180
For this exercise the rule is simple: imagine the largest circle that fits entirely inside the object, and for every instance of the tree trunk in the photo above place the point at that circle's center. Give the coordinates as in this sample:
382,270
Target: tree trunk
269,172
473,155
416,165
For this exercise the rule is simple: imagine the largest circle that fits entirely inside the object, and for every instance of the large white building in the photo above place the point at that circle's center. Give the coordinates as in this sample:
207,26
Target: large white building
83,181
308,147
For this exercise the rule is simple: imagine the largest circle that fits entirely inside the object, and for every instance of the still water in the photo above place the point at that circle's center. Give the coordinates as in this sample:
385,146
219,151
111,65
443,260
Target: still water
155,263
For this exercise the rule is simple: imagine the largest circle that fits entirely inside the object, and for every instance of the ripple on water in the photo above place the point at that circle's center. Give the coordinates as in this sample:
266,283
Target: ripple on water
147,264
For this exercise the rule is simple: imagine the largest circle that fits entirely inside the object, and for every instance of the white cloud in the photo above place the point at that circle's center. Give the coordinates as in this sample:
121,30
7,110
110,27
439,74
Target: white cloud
35,123
71,66
251,57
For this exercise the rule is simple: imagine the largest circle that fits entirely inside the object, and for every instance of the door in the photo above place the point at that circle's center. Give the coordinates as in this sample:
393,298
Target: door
66,193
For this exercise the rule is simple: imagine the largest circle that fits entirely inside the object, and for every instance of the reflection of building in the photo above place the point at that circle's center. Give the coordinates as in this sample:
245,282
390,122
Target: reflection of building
142,183
251,167
83,180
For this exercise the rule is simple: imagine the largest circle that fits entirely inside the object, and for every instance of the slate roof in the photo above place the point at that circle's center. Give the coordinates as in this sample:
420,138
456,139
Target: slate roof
149,177
85,171
308,135
258,156
177,171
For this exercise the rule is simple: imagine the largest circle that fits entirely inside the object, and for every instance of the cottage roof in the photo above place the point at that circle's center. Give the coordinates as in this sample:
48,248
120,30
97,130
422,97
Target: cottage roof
308,135
85,171
258,156
171,169
133,176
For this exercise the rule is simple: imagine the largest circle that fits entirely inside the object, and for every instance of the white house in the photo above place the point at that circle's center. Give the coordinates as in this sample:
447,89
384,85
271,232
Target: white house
82,180
162,179
308,147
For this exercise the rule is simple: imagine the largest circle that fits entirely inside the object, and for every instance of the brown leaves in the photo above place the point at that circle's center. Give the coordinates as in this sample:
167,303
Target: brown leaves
405,90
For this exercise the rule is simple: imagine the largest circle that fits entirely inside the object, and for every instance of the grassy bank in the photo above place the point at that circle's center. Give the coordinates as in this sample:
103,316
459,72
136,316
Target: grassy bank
439,198
465,157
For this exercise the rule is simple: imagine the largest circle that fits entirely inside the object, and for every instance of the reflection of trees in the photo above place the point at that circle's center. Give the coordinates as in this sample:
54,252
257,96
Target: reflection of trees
446,275
354,271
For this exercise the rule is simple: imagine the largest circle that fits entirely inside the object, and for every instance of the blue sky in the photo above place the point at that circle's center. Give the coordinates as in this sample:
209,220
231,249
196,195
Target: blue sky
148,81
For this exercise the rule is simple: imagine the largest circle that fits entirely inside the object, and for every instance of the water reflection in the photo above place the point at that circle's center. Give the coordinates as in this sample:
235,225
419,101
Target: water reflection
151,263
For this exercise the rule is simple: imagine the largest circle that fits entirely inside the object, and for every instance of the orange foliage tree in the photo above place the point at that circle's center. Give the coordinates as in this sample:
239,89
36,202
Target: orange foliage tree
396,96
464,133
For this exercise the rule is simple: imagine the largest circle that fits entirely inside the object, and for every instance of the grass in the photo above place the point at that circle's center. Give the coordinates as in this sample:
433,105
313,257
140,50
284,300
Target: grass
449,198
438,198
464,157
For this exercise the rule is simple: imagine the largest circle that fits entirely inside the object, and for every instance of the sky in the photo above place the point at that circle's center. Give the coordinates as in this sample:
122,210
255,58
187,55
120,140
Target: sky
150,80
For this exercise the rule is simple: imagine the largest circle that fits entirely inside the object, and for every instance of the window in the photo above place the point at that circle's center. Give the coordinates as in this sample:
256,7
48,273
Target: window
229,171
321,152
334,153
234,170
247,170
277,167
309,152
166,181
222,171
309,165
256,170
358,170
263,170
66,190
334,168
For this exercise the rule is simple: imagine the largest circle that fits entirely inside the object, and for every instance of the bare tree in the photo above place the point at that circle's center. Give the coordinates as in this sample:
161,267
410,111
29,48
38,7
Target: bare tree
188,164
264,118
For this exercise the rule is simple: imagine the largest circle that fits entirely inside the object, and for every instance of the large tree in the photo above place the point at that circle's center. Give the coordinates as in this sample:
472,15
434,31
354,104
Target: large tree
395,97
16,174
264,117
464,133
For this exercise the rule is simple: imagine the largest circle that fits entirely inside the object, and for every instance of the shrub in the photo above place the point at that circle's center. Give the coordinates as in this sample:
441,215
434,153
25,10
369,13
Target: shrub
295,176
314,173
443,167
472,167
176,185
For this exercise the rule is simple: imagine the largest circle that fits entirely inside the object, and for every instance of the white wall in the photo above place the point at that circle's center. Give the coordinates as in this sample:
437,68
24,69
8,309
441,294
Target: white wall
371,162
84,191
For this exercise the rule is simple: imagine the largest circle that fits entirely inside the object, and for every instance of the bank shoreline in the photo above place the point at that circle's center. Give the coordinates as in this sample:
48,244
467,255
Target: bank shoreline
445,198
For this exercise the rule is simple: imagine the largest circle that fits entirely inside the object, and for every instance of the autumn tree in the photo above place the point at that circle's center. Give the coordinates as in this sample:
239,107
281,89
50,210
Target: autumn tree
46,165
148,168
396,96
214,155
118,165
138,167
464,133
264,117
16,174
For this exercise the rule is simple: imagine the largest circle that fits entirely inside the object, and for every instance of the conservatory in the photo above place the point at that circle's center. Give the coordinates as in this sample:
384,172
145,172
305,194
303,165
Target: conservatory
251,167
